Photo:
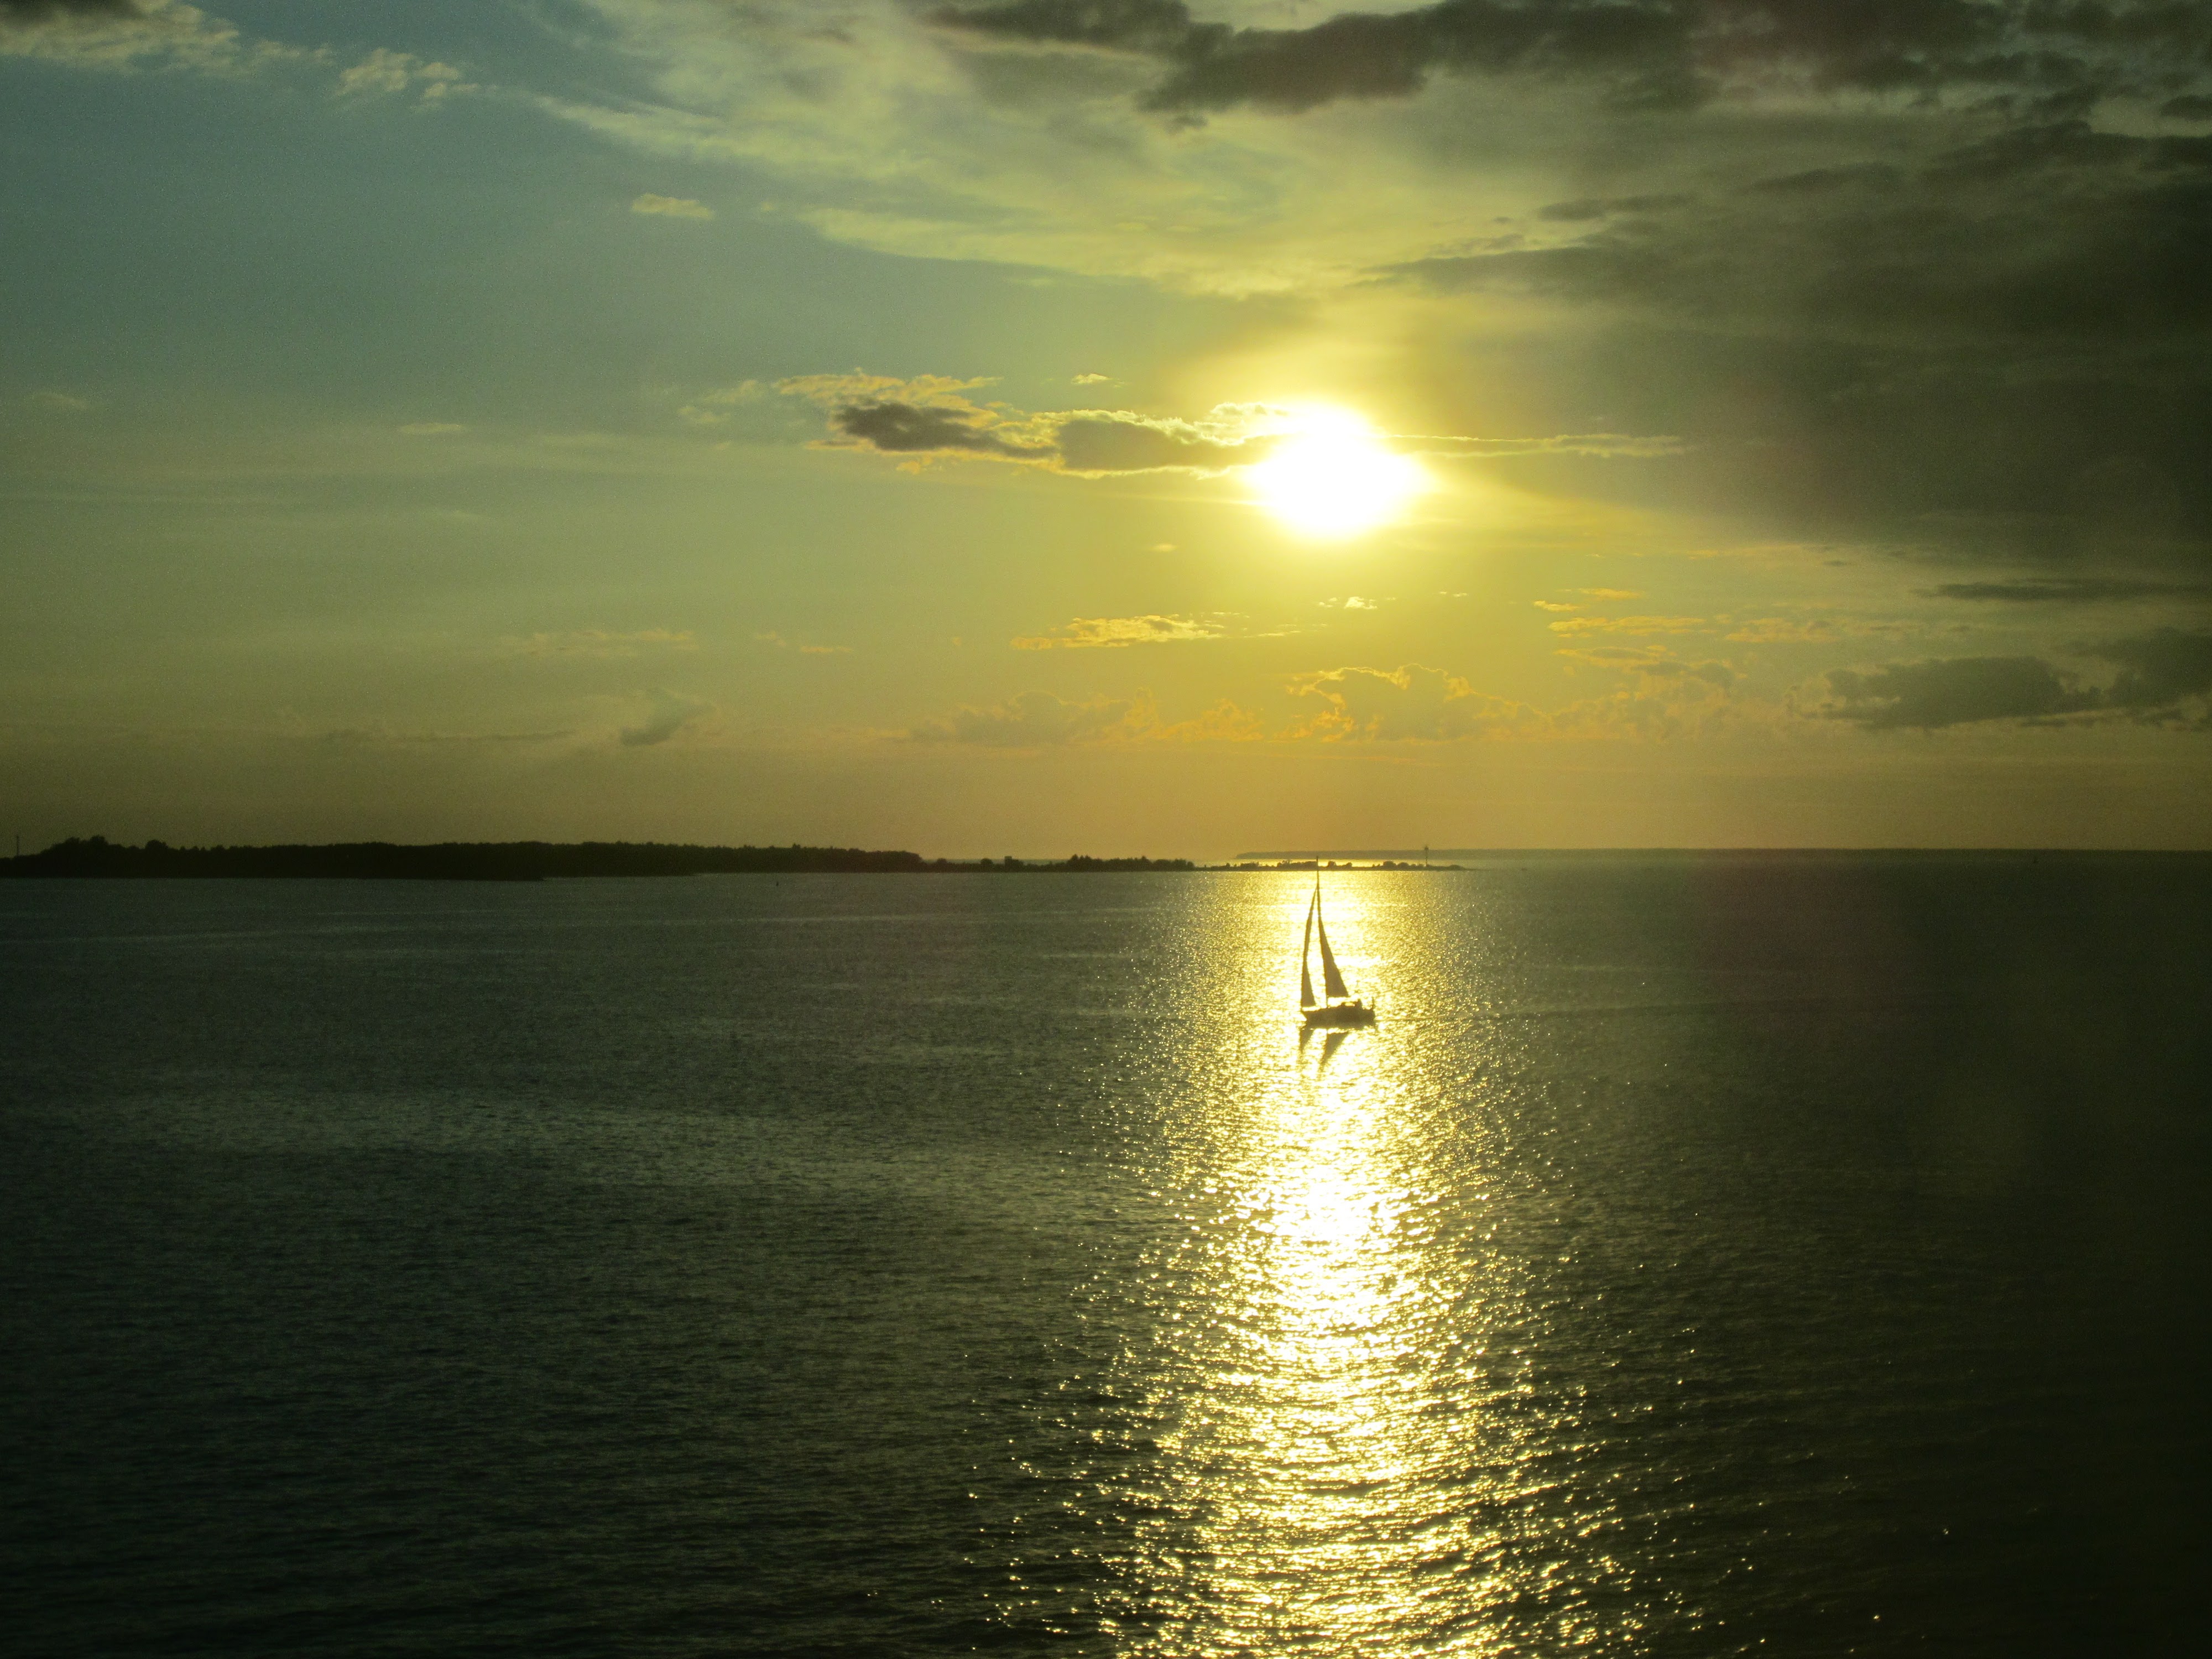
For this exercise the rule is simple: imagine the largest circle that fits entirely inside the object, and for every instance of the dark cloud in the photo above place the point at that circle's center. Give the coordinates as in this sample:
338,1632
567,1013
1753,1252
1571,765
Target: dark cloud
2158,671
2067,590
1641,47
1814,180
1954,691
1109,442
1606,207
36,11
930,416
1155,26
2000,348
2046,57
2042,234
900,428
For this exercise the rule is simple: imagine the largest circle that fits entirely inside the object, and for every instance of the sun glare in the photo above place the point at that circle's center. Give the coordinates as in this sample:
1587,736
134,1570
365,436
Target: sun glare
1332,476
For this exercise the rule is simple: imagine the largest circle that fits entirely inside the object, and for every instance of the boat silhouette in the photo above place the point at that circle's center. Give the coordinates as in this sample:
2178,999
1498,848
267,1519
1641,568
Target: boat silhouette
1336,1005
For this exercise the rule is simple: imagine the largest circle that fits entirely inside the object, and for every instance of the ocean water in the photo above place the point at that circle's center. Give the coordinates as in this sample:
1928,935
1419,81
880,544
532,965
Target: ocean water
1708,1256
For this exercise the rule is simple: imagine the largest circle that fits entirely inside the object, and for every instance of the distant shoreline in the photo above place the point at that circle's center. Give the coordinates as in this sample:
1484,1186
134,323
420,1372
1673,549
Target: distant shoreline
95,858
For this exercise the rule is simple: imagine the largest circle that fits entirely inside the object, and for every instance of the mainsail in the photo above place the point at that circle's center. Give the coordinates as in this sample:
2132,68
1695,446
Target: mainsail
1332,982
1305,951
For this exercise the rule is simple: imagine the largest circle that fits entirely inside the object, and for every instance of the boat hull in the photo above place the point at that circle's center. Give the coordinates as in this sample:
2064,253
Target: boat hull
1340,1014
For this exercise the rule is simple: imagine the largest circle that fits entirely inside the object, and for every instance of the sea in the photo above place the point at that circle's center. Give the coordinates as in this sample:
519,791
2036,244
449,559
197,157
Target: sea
1700,1256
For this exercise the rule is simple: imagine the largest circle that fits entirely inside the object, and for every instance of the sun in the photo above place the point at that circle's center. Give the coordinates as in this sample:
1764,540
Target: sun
1332,476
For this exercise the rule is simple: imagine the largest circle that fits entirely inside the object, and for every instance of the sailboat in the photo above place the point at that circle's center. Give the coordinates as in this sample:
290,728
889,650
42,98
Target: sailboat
1336,1005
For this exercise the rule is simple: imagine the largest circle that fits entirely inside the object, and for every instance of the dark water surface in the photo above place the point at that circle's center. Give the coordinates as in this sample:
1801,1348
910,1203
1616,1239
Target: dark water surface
1803,1256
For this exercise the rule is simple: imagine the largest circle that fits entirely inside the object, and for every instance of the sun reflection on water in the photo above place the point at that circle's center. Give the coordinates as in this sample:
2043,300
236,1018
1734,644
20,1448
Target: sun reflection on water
1330,1347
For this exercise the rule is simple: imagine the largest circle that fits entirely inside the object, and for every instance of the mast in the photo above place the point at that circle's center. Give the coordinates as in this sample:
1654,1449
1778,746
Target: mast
1332,982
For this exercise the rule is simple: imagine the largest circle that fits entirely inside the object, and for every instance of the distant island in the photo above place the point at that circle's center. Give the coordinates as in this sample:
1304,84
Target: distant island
96,857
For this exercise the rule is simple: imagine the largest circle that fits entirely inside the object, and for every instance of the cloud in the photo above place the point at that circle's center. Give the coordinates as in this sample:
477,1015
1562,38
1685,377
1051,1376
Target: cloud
900,428
1607,444
431,429
1660,697
600,642
1610,593
121,36
933,139
1553,604
1091,379
1090,632
1632,625
1409,703
1653,54
1095,442
1657,698
667,713
670,207
1744,630
928,416
835,391
932,416
1856,186
391,73
39,11
378,735
2069,590
1225,722
125,36
1214,66
1989,342
60,403
2034,233
1038,719
1807,631
2157,672
1784,630
1656,660
1954,691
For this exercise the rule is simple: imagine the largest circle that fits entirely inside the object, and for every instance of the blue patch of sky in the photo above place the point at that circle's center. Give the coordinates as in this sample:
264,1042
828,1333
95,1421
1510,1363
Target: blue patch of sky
174,237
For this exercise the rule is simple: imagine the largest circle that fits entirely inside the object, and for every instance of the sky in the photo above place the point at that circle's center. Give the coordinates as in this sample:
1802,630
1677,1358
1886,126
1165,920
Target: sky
1108,426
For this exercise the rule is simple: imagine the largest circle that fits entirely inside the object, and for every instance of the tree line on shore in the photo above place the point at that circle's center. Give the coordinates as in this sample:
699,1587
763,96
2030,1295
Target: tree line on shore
95,856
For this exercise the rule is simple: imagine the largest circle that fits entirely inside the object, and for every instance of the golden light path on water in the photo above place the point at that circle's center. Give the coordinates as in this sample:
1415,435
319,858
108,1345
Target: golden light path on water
1334,1350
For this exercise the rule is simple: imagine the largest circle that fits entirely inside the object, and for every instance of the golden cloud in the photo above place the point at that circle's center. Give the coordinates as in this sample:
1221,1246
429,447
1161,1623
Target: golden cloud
1085,633
1632,625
